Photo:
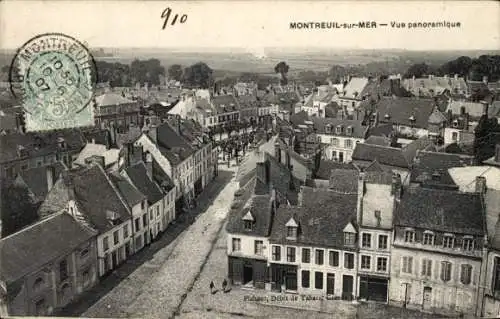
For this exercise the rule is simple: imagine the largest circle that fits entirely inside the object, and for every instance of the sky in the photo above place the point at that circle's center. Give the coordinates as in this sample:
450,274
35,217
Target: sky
253,25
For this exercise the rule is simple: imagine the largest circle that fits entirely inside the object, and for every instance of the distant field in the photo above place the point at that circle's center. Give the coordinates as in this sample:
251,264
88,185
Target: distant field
249,63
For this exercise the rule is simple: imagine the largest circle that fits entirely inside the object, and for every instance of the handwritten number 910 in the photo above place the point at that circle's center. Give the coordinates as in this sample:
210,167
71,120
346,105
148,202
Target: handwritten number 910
165,15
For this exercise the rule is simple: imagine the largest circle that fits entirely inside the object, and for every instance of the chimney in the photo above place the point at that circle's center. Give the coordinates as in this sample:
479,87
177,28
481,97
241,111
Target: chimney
357,114
149,165
95,159
50,177
153,133
466,121
277,151
287,160
485,80
449,116
361,193
485,107
481,184
179,131
396,186
378,217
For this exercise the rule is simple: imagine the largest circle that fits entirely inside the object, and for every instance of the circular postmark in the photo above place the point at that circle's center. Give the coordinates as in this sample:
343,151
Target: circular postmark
54,76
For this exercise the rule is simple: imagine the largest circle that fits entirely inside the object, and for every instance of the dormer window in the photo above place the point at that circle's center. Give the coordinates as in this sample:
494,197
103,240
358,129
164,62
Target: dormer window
455,123
339,129
349,235
328,128
292,229
468,243
61,142
248,221
113,217
349,130
412,118
387,116
428,238
409,236
448,241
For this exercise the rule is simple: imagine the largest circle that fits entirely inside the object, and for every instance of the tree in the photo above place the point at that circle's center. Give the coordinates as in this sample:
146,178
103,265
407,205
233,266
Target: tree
418,70
18,209
282,68
175,72
198,75
486,134
146,71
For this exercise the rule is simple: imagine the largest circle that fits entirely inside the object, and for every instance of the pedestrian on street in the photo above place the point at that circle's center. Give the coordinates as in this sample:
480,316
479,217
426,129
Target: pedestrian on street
224,285
212,286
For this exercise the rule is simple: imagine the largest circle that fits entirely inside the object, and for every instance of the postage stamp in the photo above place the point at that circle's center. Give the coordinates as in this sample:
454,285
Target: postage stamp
54,75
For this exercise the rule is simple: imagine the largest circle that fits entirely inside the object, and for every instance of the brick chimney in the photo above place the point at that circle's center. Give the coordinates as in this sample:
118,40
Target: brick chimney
396,186
481,184
485,107
153,133
149,165
277,151
95,159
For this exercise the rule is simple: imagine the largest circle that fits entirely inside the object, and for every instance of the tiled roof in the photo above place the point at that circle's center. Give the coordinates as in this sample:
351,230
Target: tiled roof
378,140
384,130
94,195
432,167
110,155
325,168
441,210
322,218
437,84
251,158
131,194
35,246
260,207
355,85
474,109
437,117
161,177
329,126
139,177
282,179
109,98
36,178
344,180
225,103
38,144
384,155
400,110
172,145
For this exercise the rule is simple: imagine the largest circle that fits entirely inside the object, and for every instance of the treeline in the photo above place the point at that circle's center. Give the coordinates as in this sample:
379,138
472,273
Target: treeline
472,68
139,71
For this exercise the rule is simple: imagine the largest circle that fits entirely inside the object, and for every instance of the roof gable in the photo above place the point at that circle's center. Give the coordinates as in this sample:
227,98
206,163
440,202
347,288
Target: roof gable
349,228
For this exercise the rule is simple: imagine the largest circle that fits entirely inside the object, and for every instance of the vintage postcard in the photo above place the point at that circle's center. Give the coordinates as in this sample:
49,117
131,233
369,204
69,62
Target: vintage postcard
254,159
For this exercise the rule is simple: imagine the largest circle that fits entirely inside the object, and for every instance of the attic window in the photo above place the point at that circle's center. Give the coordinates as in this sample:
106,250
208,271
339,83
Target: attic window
339,129
387,116
291,229
436,176
349,130
248,221
412,118
455,123
113,217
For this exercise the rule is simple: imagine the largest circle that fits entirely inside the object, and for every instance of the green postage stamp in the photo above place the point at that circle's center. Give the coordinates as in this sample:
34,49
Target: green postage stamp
54,76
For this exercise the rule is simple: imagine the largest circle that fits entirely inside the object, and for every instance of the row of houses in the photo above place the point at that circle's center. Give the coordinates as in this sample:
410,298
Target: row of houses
361,232
99,210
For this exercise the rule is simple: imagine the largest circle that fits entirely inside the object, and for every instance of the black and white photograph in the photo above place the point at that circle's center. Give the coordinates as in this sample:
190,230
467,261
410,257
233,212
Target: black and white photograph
250,159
